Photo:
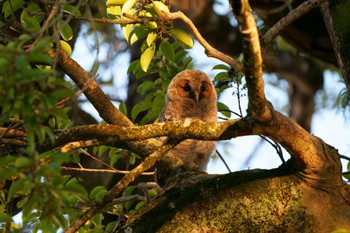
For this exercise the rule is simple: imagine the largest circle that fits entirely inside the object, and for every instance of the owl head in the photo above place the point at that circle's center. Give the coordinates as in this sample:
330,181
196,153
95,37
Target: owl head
192,92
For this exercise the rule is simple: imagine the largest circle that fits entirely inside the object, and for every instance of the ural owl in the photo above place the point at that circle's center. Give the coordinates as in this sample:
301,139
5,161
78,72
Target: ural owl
191,94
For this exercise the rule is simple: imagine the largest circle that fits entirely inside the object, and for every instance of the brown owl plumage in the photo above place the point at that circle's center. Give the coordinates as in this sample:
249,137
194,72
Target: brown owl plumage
191,94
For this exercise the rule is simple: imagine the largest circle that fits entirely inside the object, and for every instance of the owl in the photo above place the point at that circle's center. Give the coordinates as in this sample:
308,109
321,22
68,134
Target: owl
191,94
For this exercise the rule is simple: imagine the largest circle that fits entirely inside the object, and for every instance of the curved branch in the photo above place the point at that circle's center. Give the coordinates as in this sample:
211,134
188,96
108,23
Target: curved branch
288,20
209,50
92,91
98,98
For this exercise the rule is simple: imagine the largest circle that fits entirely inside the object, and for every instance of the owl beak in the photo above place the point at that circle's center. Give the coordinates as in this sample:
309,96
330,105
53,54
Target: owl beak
196,96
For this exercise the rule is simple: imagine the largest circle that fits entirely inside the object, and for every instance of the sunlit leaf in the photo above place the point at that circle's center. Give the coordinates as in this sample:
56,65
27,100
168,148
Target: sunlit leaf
114,11
128,6
181,36
160,8
151,37
146,57
127,30
115,2
66,47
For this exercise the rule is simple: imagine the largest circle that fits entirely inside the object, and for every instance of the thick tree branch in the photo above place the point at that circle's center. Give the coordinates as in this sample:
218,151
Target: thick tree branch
258,106
98,98
90,88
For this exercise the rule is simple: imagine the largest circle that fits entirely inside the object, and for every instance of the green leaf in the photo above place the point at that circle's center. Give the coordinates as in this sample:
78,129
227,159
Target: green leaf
146,57
8,9
182,37
41,59
224,109
167,50
145,86
18,187
72,10
122,108
65,30
22,162
36,12
5,160
29,23
5,217
221,67
222,76
140,107
137,33
98,193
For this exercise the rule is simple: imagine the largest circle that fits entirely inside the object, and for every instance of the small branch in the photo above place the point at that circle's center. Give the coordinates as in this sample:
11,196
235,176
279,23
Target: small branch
45,26
344,157
79,144
210,51
223,160
82,169
121,185
288,20
132,20
8,132
13,142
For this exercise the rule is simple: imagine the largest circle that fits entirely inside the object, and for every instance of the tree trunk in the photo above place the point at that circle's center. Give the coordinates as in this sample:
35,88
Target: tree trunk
337,18
278,200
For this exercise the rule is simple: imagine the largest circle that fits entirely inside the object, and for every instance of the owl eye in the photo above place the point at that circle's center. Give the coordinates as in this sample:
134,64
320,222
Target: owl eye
187,88
202,88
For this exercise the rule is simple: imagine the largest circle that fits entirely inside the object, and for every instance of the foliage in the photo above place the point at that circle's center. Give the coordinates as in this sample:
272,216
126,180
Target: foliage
35,104
36,98
151,31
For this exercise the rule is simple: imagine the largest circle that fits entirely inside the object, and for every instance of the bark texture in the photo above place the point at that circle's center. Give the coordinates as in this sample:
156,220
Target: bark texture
276,200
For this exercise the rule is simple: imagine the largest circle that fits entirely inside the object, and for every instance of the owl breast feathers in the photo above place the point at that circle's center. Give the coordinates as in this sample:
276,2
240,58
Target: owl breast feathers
191,94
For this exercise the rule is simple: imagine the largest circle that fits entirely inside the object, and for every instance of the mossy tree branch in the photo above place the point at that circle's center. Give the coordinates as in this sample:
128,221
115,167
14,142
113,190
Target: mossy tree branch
258,106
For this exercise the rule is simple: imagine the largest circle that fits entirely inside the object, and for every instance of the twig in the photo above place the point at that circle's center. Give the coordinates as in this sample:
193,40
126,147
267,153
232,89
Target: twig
80,144
288,20
45,26
344,157
223,160
209,50
121,185
82,169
